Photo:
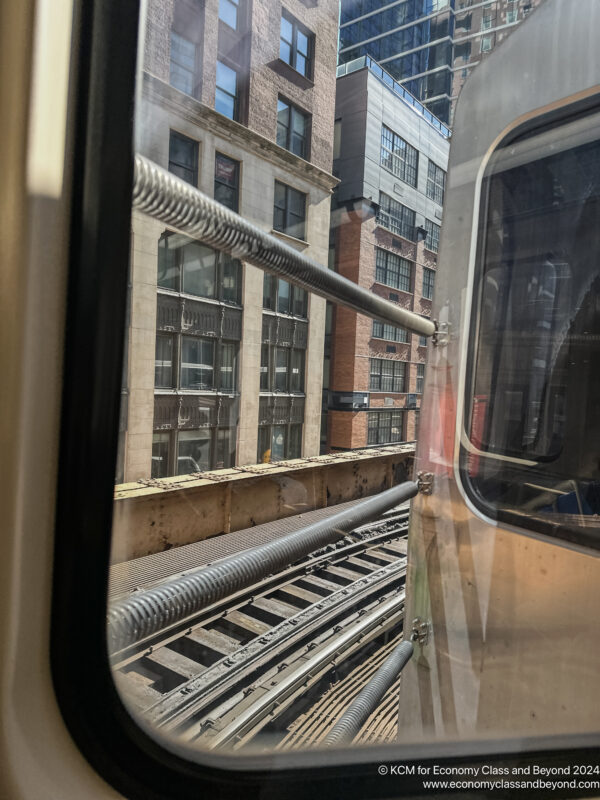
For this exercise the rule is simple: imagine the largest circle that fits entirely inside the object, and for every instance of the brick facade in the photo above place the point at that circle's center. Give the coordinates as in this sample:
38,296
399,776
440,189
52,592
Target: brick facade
358,235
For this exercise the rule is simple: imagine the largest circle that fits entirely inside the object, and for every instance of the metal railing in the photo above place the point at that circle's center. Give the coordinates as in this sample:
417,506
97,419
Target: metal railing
179,205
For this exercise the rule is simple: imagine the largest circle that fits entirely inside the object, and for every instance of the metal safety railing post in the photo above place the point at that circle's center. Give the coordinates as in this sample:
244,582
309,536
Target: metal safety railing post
179,205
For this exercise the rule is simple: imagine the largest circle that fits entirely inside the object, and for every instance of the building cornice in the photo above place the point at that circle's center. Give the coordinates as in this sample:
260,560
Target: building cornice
157,91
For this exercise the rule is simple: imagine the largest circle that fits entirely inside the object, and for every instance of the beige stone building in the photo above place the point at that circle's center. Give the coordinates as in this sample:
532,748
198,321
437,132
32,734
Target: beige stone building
224,365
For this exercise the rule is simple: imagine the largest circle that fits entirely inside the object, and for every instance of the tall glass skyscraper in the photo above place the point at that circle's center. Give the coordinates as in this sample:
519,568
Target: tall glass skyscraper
428,45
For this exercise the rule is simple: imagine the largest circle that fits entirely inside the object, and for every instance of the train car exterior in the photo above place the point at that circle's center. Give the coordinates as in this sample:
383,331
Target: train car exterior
503,561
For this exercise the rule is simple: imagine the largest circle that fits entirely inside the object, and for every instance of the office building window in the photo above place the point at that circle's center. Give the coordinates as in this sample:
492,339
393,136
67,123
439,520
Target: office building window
432,242
436,183
183,157
428,281
486,44
185,265
397,218
289,211
389,332
279,442
229,11
292,128
398,156
183,452
284,297
227,177
296,45
160,455
486,22
420,378
282,369
385,427
163,361
197,363
182,72
387,375
205,364
392,270
226,95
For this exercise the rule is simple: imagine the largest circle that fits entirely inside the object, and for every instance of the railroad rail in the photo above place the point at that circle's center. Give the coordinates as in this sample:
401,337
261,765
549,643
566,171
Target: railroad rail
238,666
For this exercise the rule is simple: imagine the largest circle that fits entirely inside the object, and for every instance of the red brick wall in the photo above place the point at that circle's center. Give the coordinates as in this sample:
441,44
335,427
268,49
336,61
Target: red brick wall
353,344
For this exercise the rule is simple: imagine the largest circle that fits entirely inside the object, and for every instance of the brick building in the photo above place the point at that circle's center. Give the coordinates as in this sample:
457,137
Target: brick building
224,364
391,157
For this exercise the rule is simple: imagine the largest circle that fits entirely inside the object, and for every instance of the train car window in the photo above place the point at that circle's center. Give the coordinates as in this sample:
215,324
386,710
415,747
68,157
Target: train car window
532,416
241,595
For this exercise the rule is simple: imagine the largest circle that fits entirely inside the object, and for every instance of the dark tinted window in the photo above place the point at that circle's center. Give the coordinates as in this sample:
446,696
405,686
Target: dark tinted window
532,413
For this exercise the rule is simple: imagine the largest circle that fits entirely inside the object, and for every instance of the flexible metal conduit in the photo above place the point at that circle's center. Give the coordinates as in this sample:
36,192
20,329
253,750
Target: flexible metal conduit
144,614
171,200
355,716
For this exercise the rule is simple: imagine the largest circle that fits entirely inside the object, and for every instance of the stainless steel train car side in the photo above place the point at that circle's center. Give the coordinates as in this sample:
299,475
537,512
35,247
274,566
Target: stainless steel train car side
507,592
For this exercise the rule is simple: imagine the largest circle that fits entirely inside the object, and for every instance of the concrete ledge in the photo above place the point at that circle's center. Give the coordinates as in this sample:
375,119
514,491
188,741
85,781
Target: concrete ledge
155,515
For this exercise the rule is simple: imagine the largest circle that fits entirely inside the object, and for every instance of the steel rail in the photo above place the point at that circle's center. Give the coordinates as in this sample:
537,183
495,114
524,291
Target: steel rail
143,614
258,710
171,200
319,560
199,693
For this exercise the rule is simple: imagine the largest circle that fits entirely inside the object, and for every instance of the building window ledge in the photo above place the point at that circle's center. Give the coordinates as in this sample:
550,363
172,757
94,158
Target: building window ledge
198,298
287,71
283,315
292,239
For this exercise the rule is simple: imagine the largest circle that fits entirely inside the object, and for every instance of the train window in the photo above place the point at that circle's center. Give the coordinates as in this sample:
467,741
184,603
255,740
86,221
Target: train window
532,453
243,623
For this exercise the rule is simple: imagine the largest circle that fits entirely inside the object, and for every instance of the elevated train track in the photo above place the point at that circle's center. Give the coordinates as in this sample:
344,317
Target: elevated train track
257,660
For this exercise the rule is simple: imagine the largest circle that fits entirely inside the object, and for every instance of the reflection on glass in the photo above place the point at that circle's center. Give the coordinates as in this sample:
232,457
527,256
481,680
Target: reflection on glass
197,363
538,328
193,451
226,90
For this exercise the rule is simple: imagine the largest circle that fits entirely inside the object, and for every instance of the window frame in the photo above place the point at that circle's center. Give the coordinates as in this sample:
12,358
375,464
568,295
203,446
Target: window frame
432,242
269,354
111,743
297,27
390,371
387,216
271,294
420,379
221,263
385,414
394,158
384,271
288,426
193,72
428,283
236,97
436,182
173,134
286,210
235,189
400,335
236,4
307,119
